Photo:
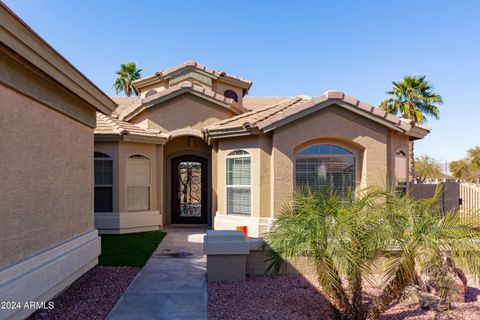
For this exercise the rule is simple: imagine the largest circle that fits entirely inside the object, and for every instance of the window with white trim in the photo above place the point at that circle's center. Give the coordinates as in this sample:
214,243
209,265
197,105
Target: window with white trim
103,169
138,183
326,166
238,182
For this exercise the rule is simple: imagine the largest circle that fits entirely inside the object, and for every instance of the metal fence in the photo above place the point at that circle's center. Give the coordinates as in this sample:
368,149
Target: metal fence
470,200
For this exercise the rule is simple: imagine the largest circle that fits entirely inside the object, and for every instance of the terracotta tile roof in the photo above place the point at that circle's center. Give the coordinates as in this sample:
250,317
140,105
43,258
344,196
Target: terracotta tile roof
125,104
107,125
253,118
132,107
162,74
254,103
268,117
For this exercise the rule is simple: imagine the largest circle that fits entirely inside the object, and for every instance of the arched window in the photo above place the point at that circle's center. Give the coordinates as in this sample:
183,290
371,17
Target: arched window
326,166
239,182
231,94
151,93
138,183
103,168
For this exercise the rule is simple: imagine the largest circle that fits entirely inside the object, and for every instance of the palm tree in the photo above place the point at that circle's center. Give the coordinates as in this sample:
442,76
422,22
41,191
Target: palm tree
126,75
342,241
414,99
339,240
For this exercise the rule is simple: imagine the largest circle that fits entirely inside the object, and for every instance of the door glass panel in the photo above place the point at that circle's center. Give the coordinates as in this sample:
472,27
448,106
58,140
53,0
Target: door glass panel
189,193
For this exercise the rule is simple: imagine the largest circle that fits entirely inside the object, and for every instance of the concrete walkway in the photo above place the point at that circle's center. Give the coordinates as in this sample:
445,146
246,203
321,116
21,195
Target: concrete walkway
169,287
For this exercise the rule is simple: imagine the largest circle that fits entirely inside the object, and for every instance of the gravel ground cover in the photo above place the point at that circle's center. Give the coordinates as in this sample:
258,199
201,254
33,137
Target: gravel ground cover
92,296
293,297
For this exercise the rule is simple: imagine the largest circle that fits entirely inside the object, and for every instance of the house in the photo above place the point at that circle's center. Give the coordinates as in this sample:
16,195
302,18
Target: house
47,118
194,148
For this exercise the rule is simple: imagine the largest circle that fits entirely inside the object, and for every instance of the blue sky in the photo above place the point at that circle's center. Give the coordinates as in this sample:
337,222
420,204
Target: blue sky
286,48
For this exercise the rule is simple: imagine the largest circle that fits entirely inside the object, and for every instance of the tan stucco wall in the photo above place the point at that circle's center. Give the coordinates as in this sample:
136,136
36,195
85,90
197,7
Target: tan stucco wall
158,86
46,170
184,111
220,88
367,139
120,151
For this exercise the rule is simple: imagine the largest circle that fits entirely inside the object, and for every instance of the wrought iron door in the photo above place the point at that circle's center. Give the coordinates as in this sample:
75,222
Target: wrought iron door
189,189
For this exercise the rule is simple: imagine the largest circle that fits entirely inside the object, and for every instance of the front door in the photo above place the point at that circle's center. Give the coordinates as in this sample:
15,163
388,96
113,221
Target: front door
189,189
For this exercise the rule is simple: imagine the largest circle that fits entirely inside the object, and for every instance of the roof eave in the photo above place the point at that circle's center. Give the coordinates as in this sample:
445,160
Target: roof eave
325,104
108,137
417,133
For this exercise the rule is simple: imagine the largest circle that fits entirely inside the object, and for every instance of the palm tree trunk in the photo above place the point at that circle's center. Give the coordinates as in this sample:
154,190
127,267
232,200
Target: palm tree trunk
394,290
411,165
357,307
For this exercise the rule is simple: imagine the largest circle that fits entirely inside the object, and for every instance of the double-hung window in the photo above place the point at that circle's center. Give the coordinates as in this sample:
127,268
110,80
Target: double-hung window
239,183
103,168
138,183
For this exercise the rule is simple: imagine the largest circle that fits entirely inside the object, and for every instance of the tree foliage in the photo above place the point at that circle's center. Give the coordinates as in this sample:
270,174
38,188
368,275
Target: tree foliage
413,98
427,168
126,75
342,241
467,169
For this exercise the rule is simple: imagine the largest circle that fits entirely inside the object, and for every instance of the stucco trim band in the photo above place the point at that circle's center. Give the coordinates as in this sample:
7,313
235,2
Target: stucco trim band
45,274
128,222
257,227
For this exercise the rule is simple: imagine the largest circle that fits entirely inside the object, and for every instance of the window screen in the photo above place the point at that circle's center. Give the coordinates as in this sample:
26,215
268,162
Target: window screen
238,182
138,183
103,170
326,166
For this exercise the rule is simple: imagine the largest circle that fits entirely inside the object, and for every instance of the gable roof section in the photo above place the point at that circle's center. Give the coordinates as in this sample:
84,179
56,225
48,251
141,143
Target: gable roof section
215,74
20,38
272,117
129,112
109,128
249,121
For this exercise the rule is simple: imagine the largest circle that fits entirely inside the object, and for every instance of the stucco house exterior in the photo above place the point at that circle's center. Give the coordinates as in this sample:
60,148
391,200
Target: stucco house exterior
194,148
47,118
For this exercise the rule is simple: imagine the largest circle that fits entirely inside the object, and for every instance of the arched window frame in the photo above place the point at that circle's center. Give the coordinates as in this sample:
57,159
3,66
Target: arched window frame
230,188
342,152
138,182
103,182
229,93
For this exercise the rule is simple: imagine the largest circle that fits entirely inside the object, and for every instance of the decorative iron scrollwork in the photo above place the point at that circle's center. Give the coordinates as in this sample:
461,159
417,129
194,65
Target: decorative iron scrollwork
190,188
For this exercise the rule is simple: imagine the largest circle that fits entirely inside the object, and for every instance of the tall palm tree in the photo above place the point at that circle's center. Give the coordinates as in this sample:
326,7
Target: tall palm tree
414,99
126,75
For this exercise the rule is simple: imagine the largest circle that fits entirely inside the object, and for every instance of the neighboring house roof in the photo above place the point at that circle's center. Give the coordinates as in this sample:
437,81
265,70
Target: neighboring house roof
166,73
131,108
20,38
272,117
254,103
109,128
